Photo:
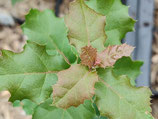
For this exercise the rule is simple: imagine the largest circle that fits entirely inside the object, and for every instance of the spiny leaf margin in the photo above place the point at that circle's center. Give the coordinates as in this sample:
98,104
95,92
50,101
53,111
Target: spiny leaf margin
83,24
44,28
116,95
67,91
117,19
29,74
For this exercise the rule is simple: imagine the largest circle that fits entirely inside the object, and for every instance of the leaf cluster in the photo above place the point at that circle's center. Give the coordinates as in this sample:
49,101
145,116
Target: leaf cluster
76,67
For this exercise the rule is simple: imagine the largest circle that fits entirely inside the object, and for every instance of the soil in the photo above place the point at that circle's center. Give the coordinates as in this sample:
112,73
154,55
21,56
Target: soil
7,111
11,38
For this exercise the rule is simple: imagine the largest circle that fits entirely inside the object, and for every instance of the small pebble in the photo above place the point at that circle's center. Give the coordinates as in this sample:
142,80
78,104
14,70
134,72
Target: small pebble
6,19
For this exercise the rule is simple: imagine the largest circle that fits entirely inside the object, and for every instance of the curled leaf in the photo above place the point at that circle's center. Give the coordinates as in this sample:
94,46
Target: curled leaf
74,85
88,56
111,54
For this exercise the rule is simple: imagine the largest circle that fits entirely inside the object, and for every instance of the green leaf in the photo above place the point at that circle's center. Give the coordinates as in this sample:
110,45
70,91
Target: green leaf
45,29
29,74
85,26
27,105
98,113
118,22
74,86
103,118
125,66
116,98
45,111
100,118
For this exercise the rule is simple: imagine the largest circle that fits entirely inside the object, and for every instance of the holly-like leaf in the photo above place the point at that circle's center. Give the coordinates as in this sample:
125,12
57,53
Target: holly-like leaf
116,98
118,22
85,26
45,29
74,85
88,56
29,74
111,54
125,66
45,111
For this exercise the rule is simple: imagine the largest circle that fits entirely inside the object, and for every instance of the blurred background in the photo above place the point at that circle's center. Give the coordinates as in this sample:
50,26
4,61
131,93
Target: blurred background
145,39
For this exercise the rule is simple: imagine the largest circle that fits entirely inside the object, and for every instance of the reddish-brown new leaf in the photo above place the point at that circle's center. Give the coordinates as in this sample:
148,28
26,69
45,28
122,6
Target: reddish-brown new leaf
88,56
112,53
74,85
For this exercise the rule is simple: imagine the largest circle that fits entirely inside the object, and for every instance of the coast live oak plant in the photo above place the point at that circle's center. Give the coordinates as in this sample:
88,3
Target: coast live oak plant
76,67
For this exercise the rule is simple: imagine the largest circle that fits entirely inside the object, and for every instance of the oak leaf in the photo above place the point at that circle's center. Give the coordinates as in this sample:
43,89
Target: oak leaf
45,29
116,98
46,111
85,26
29,74
111,54
88,56
74,85
118,21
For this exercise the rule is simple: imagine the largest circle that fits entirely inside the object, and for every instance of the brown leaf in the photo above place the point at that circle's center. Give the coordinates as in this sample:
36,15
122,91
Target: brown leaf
85,26
74,85
112,53
88,56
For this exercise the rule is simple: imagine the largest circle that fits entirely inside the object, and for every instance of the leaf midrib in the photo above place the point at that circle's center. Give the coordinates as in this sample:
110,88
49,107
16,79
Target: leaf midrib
56,47
85,21
69,90
60,52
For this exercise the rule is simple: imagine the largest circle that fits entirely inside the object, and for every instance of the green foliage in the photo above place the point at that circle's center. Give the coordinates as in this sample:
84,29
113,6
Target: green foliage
49,80
46,111
125,66
30,74
116,98
27,105
45,29
118,22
